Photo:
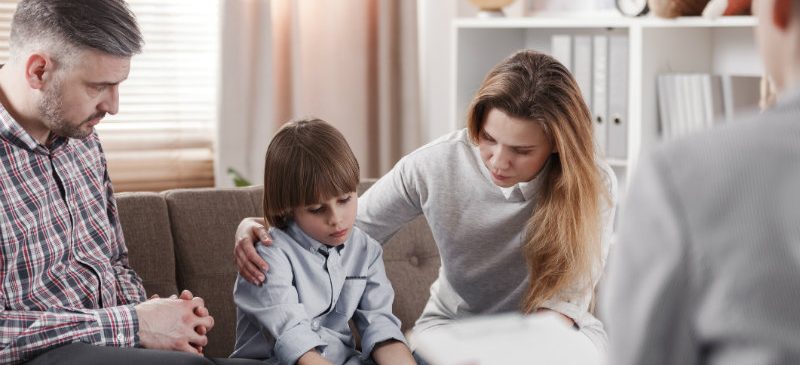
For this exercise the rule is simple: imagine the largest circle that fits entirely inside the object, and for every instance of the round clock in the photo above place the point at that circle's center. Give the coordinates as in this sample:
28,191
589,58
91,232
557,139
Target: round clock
632,7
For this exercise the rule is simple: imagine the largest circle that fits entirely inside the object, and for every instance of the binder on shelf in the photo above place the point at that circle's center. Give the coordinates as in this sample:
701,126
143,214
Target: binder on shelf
600,91
698,104
684,123
666,109
582,66
702,105
712,97
618,96
693,102
561,49
741,94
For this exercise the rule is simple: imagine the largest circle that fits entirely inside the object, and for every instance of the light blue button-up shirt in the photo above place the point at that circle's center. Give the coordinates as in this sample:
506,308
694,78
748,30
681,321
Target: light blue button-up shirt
310,293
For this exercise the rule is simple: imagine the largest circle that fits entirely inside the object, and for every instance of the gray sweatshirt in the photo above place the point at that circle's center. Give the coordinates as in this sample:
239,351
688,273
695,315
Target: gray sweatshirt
478,230
707,269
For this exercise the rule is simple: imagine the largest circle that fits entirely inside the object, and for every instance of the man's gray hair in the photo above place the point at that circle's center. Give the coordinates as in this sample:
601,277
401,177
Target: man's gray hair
66,26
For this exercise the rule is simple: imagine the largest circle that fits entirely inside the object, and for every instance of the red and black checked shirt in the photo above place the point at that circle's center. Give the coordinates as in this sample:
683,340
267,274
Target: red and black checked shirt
63,265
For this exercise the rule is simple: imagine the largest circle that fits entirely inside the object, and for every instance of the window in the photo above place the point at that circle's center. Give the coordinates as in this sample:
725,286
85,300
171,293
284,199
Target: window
163,135
7,8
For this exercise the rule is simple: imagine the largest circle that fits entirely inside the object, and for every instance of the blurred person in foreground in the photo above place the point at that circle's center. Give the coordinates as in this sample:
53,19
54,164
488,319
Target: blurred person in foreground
707,265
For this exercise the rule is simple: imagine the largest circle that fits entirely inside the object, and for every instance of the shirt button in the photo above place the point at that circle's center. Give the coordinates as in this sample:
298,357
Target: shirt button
120,337
315,325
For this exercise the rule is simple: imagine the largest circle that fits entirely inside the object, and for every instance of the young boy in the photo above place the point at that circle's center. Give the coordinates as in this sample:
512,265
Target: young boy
323,271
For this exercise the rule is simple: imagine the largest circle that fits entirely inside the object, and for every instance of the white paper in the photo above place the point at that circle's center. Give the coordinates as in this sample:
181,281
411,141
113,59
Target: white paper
506,339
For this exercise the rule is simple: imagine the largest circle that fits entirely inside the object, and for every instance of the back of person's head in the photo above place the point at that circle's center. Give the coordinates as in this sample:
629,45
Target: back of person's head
563,235
63,28
307,162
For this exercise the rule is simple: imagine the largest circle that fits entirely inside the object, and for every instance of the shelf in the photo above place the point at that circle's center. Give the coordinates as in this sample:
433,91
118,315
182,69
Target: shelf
700,22
543,22
583,21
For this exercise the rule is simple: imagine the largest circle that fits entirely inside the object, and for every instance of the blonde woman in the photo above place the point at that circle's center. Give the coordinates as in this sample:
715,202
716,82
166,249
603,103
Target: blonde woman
520,206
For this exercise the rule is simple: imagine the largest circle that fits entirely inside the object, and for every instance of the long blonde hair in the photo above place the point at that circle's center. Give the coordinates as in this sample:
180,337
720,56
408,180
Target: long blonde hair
563,236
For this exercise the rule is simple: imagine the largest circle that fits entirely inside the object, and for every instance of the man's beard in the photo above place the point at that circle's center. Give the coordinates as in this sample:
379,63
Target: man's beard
52,114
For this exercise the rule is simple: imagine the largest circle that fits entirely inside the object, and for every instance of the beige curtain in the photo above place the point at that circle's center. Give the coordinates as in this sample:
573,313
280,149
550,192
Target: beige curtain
351,63
162,137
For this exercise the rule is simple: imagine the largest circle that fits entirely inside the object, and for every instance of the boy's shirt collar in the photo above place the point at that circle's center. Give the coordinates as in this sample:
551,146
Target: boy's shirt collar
309,243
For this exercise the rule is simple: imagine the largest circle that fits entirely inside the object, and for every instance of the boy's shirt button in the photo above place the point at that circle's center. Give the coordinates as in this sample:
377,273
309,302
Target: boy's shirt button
315,325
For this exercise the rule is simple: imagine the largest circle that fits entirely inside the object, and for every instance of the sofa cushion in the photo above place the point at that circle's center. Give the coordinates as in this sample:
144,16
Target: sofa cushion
145,224
204,222
412,264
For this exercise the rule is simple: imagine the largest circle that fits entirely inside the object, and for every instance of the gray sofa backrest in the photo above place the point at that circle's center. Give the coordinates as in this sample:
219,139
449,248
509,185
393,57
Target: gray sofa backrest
183,239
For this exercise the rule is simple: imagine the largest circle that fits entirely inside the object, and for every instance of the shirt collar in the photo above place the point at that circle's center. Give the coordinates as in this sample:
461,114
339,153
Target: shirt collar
528,188
11,131
309,243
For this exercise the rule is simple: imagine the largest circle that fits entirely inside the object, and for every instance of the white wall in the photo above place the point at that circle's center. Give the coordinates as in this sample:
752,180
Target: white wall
435,36
245,93
436,61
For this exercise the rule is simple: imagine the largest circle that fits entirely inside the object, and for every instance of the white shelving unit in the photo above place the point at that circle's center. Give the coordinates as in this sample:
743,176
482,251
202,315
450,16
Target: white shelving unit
691,44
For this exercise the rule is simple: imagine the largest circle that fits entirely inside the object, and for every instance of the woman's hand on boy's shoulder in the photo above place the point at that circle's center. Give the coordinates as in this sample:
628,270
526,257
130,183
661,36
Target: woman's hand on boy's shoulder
249,263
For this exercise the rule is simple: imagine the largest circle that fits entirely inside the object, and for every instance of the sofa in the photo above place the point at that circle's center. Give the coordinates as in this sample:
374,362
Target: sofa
183,239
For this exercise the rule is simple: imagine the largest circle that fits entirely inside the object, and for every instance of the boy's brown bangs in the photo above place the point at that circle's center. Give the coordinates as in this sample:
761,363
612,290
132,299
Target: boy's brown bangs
311,179
330,178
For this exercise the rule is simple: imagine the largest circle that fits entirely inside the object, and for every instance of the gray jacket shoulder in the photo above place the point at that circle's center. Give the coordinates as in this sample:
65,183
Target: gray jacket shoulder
717,156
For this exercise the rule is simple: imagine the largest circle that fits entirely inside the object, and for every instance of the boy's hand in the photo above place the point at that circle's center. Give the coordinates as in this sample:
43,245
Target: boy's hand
249,263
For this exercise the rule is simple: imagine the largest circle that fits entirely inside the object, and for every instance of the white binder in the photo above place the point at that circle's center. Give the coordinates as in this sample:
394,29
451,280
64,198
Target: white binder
600,92
618,96
561,49
582,66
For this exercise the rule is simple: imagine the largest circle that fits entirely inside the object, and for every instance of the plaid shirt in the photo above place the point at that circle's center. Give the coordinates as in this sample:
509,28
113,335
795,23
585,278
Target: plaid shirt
63,264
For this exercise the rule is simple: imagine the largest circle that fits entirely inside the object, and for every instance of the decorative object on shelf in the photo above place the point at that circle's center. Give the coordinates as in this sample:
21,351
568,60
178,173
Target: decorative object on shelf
632,7
567,7
717,8
491,8
676,8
